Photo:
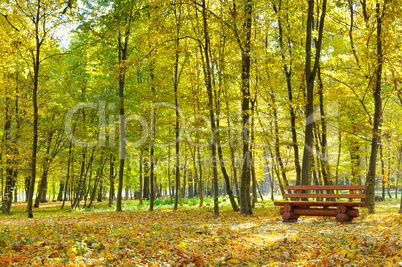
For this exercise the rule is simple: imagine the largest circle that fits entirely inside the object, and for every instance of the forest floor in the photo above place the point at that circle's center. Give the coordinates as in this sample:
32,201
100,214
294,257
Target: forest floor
192,236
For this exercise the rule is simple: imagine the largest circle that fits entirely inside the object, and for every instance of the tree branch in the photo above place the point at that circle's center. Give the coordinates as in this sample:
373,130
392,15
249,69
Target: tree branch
9,22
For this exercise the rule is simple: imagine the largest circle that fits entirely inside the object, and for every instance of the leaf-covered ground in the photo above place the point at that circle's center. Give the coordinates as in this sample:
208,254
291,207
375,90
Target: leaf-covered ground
193,237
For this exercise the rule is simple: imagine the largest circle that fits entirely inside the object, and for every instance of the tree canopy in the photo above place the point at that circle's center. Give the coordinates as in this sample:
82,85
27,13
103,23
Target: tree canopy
191,98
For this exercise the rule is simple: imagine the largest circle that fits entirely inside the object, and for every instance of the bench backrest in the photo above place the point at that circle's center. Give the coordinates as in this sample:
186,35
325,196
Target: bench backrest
303,191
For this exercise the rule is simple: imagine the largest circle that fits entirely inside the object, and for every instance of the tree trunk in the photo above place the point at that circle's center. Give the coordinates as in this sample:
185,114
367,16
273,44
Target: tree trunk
252,153
80,182
398,175
61,190
269,173
82,188
111,179
183,189
196,178
232,157
98,180
68,174
370,180
310,80
177,124
195,175
275,168
141,172
146,181
355,160
8,192
200,183
389,169
36,60
208,84
168,175
42,187
88,189
177,155
225,174
245,205
190,185
123,54
152,145
99,197
338,160
326,174
382,168
46,164
288,74
277,150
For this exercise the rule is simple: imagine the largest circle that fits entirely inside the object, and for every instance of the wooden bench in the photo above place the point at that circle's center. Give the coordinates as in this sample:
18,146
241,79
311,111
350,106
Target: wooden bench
344,212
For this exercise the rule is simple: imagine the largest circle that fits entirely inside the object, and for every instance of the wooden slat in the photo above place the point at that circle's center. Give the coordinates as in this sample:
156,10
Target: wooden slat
325,187
326,195
320,212
320,203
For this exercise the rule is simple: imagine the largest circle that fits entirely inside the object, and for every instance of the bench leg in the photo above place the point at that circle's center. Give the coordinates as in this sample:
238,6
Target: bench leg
342,216
288,216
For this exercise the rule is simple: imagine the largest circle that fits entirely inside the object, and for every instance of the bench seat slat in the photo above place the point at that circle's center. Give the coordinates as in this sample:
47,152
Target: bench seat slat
325,187
320,203
320,212
326,195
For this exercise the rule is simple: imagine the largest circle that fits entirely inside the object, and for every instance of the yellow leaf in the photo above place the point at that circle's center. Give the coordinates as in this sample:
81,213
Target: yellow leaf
182,245
69,251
